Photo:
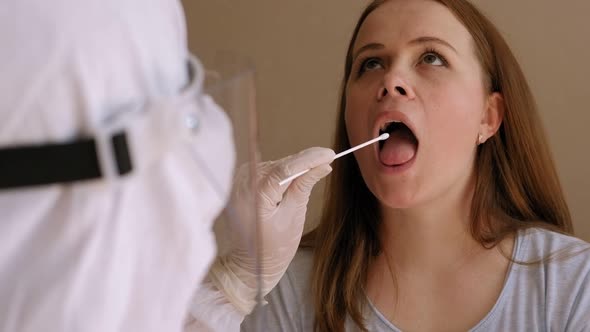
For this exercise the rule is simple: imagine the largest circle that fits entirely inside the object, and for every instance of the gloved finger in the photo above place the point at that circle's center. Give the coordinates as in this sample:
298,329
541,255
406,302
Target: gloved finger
310,158
301,187
307,159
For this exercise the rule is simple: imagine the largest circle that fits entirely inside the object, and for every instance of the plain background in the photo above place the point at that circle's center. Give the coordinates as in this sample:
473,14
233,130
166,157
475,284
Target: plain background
298,48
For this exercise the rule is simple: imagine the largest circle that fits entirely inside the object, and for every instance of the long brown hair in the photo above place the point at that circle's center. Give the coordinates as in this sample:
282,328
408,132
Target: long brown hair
517,185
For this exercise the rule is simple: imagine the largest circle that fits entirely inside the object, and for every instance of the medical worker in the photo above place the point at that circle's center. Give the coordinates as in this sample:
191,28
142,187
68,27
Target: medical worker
113,165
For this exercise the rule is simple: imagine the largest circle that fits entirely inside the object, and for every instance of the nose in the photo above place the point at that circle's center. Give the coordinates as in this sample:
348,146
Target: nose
395,85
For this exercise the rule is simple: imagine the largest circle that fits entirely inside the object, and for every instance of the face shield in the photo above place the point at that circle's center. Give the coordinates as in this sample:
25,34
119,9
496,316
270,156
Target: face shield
201,117
213,118
229,80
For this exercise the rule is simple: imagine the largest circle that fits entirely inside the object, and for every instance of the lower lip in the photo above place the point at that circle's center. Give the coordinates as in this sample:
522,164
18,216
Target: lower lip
397,169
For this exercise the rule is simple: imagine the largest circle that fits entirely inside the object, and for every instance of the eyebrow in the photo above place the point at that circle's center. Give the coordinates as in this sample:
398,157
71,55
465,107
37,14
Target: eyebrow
419,40
370,46
428,39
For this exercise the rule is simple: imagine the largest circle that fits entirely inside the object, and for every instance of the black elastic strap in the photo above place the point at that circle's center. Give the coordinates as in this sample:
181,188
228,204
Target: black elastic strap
58,163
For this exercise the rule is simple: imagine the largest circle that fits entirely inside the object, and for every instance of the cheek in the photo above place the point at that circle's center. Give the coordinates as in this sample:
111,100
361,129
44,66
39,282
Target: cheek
356,117
454,117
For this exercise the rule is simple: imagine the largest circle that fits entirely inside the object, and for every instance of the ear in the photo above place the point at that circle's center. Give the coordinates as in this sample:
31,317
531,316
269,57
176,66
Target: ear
492,117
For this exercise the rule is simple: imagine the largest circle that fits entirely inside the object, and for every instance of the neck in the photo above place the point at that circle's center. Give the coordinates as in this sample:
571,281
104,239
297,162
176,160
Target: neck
433,237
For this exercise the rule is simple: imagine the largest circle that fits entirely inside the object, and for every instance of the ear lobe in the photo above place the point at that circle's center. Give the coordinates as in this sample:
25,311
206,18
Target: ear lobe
494,115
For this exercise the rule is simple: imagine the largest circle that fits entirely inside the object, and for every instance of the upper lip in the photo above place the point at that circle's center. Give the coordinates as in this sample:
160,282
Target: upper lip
386,117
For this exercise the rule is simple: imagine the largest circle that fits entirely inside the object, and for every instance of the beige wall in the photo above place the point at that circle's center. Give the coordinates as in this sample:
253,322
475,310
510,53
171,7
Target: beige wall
298,49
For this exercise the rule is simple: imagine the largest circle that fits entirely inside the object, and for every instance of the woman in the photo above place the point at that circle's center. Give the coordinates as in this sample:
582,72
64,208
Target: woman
458,221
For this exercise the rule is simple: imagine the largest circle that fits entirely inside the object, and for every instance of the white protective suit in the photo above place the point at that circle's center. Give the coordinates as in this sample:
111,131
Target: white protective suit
129,253
99,255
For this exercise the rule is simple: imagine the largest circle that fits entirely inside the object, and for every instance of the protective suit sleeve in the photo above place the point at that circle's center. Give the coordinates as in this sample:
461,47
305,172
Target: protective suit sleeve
211,311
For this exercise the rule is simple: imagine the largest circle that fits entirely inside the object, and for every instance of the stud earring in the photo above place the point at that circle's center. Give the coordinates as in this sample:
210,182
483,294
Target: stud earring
480,138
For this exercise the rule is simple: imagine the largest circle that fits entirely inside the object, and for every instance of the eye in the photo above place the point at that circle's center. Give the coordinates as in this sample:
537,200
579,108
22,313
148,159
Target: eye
434,59
370,64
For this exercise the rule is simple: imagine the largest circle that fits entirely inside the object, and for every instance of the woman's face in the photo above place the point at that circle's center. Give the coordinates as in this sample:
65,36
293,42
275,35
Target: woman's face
415,63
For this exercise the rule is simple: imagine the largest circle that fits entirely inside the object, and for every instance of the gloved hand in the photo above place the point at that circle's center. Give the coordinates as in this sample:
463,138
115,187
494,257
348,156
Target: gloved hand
281,210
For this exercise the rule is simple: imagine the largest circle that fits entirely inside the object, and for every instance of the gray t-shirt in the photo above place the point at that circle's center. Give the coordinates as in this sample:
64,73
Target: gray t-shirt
549,296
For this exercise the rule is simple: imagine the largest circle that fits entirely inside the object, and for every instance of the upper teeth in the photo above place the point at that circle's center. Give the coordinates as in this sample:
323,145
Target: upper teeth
384,126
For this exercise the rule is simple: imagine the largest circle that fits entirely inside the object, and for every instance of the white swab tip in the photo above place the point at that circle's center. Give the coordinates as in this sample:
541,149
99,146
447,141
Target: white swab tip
384,136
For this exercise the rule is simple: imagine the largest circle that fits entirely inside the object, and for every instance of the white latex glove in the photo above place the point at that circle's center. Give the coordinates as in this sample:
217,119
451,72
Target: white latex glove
281,210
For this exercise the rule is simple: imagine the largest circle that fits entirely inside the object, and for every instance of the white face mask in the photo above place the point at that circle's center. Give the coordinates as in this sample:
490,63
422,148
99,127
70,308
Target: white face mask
188,141
191,119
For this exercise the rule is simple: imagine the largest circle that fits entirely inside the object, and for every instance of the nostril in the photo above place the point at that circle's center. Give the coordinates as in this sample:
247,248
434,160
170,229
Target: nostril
400,90
384,92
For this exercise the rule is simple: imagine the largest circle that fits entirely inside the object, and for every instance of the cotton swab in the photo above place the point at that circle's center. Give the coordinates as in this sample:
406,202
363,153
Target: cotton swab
343,153
360,146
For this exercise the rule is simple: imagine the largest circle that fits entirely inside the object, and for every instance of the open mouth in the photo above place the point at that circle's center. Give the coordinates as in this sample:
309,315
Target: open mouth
401,146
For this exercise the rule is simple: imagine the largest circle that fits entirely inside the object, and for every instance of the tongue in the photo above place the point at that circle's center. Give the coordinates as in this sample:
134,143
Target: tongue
399,148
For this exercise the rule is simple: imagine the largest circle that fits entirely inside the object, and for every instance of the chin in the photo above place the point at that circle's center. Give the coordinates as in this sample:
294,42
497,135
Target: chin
397,199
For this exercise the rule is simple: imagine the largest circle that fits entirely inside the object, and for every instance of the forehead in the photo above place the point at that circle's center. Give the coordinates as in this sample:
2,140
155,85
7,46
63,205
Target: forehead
399,21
